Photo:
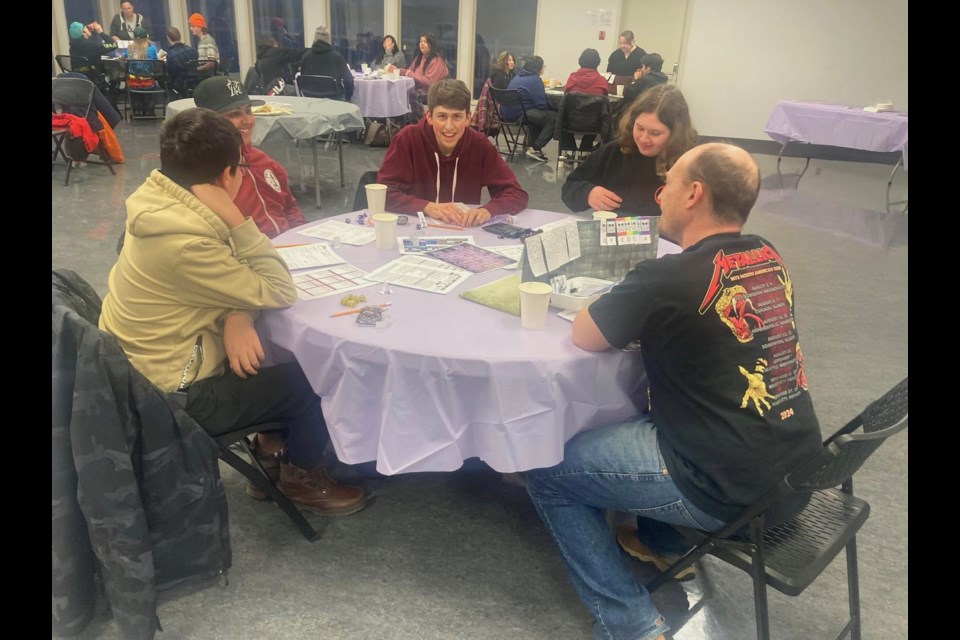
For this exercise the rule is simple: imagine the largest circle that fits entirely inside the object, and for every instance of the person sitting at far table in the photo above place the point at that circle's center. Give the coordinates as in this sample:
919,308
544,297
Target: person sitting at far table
441,161
624,174
728,413
206,47
540,114
126,22
625,60
648,75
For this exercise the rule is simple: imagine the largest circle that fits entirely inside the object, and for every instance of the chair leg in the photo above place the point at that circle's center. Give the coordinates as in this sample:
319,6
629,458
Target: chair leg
758,573
66,180
262,483
340,156
853,589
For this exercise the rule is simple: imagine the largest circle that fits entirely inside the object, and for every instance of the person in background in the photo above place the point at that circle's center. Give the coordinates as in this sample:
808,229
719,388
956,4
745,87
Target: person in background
390,54
264,193
427,67
323,60
648,75
504,70
206,47
587,80
90,42
441,161
274,61
181,64
728,407
141,49
126,22
278,31
540,114
190,280
624,174
625,60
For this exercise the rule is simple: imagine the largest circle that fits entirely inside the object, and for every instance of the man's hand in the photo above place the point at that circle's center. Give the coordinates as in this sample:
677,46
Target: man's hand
217,198
603,199
446,212
390,68
474,217
240,339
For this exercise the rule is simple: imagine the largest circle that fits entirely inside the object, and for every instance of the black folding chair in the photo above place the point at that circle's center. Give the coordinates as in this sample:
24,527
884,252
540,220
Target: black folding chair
790,555
581,114
74,96
514,130
206,68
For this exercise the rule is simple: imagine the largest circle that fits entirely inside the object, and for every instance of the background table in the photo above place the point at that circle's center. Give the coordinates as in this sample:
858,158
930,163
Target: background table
450,379
555,96
311,118
381,98
838,126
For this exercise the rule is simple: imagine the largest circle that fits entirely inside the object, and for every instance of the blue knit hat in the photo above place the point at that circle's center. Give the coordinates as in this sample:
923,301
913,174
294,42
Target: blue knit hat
76,30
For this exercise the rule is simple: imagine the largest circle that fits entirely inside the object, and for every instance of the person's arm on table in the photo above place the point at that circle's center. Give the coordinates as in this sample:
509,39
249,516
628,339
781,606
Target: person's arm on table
582,183
586,334
254,277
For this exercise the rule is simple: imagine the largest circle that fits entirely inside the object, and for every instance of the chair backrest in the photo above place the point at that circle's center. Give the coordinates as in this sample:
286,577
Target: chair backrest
253,82
72,95
154,69
318,87
583,113
80,64
225,66
202,73
360,198
507,98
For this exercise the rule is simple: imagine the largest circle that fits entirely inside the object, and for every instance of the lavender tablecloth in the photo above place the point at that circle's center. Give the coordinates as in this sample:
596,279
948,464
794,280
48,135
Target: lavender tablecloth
450,379
382,98
839,126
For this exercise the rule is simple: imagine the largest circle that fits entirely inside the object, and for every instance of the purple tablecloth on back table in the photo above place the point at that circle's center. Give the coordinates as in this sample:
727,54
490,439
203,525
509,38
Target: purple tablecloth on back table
449,379
381,98
839,126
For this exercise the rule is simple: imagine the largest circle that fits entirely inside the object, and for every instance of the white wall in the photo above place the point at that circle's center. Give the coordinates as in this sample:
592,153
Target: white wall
657,27
565,28
741,56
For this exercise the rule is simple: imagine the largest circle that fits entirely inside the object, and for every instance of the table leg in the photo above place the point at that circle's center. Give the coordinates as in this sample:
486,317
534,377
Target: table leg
780,156
316,170
340,154
890,183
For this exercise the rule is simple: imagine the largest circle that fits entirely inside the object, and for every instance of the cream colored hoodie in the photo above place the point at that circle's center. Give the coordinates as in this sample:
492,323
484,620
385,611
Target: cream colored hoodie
180,274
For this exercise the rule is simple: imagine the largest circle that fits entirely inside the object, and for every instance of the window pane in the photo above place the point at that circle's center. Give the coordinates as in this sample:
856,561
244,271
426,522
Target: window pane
157,13
356,29
222,25
502,25
84,12
282,20
439,17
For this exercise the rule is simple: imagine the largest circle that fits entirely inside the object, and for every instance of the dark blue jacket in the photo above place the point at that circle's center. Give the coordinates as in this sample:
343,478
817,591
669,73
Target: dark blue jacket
532,93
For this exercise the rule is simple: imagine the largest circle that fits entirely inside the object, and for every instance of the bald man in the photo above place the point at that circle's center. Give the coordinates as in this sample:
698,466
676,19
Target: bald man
728,410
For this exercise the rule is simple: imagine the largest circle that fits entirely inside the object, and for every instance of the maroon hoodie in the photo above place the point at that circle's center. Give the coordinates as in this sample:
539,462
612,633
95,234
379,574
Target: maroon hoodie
415,171
586,80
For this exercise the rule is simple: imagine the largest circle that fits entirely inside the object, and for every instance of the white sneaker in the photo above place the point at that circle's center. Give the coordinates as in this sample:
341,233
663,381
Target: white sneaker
536,154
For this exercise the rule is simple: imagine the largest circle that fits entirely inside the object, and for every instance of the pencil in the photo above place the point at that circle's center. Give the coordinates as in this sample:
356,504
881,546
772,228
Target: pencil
445,226
347,313
284,246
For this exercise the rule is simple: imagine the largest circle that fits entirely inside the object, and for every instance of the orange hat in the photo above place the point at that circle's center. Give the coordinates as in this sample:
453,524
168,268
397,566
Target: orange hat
196,20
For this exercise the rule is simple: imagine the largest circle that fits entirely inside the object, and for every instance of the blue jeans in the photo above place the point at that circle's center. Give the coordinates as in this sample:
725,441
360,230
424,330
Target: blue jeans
617,467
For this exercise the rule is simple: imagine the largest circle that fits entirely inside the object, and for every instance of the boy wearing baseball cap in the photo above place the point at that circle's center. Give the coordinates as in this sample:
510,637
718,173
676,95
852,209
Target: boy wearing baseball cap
265,191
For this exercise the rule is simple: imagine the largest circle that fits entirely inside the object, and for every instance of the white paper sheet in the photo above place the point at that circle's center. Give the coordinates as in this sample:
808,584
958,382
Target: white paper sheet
535,255
348,233
555,247
330,281
420,272
573,240
407,245
512,251
309,255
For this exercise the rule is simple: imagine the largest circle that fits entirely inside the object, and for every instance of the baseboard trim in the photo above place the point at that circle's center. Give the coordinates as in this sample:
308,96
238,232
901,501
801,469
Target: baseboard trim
816,151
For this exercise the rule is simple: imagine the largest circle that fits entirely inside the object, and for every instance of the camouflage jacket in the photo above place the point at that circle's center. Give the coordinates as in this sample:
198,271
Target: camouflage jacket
137,492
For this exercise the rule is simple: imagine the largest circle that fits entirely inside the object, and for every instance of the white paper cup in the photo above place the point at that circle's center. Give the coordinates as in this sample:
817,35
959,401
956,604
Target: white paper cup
604,215
620,89
376,198
534,301
385,228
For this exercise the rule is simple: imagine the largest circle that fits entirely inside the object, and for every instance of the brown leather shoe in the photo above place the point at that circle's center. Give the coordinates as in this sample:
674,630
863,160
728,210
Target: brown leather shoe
317,491
627,538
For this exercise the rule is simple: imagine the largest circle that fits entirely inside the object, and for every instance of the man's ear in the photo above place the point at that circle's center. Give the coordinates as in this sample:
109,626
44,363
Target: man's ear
469,117
221,180
429,117
697,193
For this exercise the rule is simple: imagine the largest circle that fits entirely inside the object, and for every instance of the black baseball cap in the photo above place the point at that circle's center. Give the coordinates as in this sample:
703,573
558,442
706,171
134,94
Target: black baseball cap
222,94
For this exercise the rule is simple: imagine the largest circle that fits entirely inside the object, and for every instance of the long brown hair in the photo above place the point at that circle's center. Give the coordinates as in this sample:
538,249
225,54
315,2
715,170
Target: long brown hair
668,104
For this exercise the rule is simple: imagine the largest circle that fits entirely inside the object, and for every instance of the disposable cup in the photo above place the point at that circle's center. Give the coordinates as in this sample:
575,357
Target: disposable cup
604,215
376,198
619,89
385,229
534,302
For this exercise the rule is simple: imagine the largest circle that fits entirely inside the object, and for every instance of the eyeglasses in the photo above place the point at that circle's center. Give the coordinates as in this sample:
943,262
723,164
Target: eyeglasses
243,166
656,194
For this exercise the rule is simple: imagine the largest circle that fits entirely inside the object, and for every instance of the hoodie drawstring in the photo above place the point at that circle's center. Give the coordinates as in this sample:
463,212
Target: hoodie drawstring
453,191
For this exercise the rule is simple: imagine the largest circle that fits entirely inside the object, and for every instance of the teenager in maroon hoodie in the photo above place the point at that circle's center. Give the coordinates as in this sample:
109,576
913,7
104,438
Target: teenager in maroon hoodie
586,79
441,161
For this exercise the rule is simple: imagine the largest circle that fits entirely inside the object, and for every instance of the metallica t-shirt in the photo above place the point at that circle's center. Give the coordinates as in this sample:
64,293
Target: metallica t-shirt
728,393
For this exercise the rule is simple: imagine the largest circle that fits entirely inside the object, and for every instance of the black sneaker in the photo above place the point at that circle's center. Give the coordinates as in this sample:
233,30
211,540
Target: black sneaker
536,154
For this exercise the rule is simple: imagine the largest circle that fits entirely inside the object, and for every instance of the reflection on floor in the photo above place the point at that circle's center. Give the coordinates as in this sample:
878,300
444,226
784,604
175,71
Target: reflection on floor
463,555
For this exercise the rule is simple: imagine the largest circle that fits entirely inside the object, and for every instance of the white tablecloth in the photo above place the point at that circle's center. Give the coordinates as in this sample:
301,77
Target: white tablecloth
381,98
450,379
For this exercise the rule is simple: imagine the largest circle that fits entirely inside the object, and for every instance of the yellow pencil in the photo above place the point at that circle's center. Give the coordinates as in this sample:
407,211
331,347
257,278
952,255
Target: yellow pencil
347,313
284,246
445,226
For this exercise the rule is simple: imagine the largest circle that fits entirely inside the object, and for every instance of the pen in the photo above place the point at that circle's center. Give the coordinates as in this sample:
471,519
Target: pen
347,313
445,226
284,246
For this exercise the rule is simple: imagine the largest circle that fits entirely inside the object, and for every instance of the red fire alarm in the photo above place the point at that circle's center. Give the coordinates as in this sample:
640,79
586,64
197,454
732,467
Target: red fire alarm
603,35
